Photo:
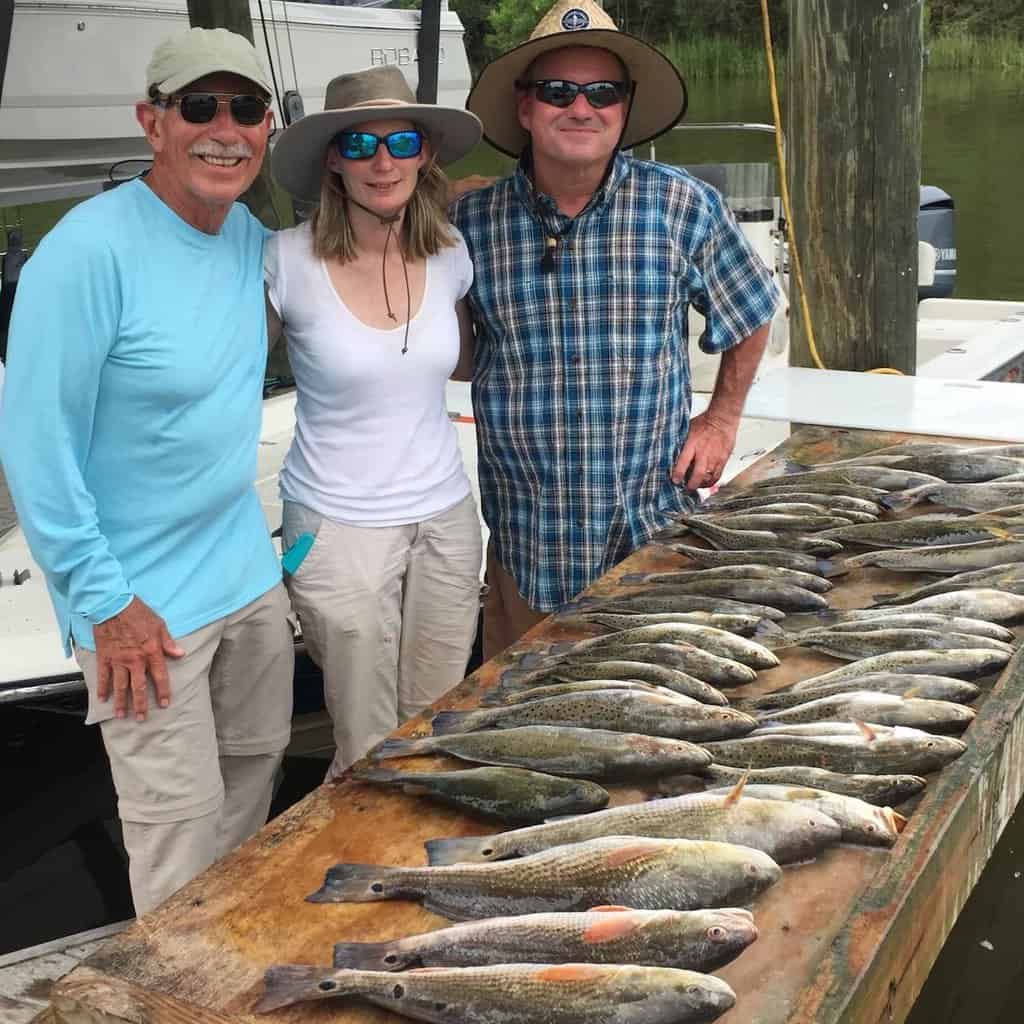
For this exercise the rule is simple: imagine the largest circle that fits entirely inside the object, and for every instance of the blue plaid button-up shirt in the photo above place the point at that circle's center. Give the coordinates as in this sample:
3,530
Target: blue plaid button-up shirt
582,384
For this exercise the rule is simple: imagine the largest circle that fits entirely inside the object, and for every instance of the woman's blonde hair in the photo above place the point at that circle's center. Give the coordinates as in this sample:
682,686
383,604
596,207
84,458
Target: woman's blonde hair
425,228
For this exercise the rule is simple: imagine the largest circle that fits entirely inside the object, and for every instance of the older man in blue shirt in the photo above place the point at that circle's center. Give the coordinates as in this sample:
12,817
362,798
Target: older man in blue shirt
586,262
128,431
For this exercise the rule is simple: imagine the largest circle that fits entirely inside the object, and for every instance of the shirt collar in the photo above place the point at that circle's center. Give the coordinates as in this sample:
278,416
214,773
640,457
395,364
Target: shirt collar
523,185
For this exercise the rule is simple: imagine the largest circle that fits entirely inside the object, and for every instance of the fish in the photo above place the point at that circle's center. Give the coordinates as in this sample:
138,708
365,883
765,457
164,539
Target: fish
921,532
499,696
876,750
860,821
968,663
903,684
843,504
641,872
514,680
773,487
878,708
649,714
881,790
973,602
687,657
718,642
974,497
992,577
852,646
961,467
883,477
667,600
741,625
744,556
749,540
779,522
760,507
512,795
696,940
953,558
786,835
582,753
751,571
787,597
895,618
514,993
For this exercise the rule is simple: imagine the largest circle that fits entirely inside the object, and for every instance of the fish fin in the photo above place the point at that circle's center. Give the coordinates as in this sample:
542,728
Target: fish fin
292,983
467,850
734,794
369,956
866,731
914,691
384,775
1001,534
611,928
356,883
569,972
608,908
631,579
767,628
898,821
444,723
402,748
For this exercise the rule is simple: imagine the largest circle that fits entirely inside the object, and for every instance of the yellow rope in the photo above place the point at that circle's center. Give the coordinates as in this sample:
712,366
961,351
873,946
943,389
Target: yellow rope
794,252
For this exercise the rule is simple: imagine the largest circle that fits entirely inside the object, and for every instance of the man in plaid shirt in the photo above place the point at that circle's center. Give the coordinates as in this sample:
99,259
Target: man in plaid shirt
585,264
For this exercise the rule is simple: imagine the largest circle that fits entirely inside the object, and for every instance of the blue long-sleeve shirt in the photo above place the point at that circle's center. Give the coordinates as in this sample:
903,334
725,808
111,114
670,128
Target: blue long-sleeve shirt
130,414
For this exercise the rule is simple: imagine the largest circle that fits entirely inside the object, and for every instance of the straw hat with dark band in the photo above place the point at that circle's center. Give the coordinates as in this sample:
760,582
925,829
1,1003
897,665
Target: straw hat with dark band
659,102
376,94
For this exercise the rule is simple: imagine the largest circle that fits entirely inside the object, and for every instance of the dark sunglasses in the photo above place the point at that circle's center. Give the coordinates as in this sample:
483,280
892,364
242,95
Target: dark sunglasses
363,145
202,107
557,92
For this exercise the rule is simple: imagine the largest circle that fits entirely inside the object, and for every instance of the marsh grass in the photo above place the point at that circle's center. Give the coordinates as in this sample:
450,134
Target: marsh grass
712,57
955,49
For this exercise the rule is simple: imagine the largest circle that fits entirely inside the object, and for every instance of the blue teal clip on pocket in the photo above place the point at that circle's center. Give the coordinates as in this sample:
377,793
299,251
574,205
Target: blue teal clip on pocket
296,554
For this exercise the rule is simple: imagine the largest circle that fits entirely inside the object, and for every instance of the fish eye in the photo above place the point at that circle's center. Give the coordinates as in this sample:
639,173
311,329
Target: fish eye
487,852
376,887
693,990
391,959
327,986
398,991
716,933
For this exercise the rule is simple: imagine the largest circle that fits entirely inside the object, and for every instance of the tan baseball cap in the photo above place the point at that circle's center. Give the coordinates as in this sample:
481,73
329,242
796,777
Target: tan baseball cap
190,55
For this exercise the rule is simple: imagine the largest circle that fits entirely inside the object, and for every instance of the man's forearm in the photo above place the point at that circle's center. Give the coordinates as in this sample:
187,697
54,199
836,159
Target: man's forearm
735,375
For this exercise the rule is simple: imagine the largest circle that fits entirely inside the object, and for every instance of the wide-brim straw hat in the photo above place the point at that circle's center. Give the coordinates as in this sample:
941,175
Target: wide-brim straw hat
375,94
659,101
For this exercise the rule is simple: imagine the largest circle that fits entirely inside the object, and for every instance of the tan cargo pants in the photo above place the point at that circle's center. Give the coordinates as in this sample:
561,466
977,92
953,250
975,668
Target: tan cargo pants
388,613
195,779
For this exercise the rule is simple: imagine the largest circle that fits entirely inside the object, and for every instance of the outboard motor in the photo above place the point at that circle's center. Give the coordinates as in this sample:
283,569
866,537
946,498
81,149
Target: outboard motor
935,226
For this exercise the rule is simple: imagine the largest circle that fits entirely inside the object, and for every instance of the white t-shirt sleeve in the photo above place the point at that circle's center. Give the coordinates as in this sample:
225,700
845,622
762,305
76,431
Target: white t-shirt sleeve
273,278
462,266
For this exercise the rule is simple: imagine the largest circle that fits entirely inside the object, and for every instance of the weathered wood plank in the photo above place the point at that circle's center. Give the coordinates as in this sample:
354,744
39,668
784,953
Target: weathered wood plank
847,939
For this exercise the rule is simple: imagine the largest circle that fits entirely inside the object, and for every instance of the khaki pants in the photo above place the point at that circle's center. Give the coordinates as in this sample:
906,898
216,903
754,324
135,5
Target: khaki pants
507,616
388,613
195,779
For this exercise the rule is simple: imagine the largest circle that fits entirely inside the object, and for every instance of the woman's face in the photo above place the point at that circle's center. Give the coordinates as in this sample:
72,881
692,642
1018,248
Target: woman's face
382,183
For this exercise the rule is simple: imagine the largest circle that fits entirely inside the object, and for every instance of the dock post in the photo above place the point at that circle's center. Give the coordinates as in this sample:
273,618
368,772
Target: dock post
854,166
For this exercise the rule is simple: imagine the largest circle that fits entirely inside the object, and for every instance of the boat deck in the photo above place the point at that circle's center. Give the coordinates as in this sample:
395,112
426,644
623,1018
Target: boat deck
848,938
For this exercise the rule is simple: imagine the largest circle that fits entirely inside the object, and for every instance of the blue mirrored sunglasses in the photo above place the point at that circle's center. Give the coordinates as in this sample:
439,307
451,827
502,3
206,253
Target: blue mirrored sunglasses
363,145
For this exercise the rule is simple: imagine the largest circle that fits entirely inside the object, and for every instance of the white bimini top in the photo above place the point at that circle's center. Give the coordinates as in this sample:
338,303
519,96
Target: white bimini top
373,443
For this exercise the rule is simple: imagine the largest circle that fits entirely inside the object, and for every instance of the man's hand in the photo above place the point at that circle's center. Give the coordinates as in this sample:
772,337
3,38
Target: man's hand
130,650
708,446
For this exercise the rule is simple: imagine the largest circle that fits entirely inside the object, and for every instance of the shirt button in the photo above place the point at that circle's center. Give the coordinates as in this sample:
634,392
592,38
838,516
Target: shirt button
579,414
579,522
576,360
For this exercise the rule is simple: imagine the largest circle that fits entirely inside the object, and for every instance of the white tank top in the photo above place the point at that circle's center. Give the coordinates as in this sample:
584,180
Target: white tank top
373,443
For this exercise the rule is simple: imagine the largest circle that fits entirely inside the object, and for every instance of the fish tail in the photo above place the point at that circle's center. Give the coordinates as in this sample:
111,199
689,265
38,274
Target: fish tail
897,501
823,567
294,983
384,775
363,883
403,748
456,851
493,698
767,628
445,723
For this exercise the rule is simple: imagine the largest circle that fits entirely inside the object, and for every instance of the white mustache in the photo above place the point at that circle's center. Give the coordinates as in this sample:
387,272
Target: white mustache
239,151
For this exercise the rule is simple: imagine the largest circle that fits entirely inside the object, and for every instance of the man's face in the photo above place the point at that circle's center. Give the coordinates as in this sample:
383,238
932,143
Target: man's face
208,165
577,135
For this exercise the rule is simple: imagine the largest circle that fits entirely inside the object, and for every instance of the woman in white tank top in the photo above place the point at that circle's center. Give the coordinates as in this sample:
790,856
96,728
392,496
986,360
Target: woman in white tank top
381,534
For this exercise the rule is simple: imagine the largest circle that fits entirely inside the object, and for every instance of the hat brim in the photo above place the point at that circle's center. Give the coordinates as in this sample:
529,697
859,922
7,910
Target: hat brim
297,158
659,101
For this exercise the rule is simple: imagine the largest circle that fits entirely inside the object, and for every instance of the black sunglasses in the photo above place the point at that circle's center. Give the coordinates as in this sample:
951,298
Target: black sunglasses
202,107
557,92
402,145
